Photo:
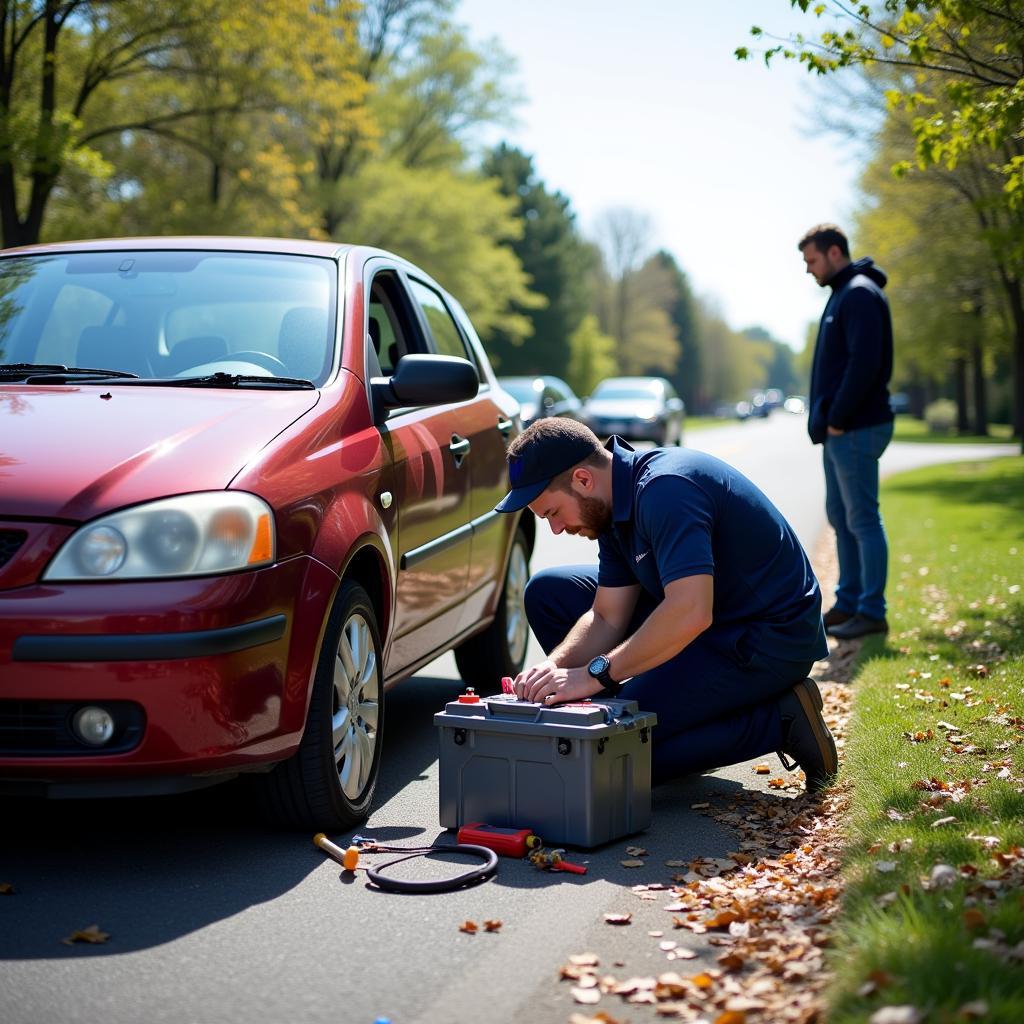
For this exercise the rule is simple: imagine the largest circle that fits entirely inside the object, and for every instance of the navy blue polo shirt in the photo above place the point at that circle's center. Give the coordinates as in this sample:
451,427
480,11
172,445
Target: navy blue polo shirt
677,513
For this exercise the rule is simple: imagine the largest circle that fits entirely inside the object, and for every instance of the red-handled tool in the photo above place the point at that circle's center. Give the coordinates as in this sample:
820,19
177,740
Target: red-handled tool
552,859
509,842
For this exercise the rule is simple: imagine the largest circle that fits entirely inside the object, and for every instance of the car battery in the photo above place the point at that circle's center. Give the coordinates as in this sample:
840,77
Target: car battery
576,774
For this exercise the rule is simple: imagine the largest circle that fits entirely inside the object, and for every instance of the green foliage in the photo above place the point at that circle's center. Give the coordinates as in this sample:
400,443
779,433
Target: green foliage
557,260
453,225
592,356
940,416
687,374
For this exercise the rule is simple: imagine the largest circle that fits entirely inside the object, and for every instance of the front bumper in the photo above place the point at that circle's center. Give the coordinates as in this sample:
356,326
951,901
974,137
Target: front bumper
211,675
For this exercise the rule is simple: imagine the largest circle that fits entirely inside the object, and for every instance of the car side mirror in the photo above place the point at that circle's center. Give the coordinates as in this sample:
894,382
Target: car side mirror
425,380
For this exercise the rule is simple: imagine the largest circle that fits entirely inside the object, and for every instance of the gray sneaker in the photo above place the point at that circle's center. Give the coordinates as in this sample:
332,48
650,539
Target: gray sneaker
805,736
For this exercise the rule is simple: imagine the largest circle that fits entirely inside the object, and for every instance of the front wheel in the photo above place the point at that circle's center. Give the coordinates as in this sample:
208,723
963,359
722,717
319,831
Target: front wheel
328,783
500,649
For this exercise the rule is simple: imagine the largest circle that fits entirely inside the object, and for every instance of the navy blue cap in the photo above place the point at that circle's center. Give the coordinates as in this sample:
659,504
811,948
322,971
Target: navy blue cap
538,463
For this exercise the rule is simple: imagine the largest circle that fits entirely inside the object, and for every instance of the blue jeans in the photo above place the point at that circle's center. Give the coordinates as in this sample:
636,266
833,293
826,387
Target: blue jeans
716,700
851,503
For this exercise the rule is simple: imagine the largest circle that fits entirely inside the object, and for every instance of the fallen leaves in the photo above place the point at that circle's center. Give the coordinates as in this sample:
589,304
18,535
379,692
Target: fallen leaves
471,927
92,934
618,919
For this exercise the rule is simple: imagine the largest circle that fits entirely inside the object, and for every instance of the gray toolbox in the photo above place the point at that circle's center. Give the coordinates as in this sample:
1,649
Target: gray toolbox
576,774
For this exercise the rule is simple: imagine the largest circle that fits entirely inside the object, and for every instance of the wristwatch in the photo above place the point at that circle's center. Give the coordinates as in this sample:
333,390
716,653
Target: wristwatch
600,668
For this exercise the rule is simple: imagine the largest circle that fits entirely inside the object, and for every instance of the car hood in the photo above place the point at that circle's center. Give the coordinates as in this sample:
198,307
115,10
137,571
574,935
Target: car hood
622,408
77,452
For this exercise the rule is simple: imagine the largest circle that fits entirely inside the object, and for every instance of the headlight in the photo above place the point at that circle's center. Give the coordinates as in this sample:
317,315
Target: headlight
192,535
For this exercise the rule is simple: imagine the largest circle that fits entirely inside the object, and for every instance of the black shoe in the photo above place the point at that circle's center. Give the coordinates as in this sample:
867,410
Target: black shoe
859,625
834,616
805,736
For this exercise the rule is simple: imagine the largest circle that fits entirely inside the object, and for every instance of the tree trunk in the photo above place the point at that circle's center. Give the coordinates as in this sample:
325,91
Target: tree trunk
963,425
1017,311
978,377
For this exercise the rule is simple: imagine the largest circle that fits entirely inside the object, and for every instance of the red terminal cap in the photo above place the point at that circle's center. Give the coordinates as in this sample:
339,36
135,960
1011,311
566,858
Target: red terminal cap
469,697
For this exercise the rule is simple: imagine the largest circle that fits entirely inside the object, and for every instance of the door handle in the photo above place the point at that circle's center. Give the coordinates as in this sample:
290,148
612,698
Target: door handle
459,447
505,426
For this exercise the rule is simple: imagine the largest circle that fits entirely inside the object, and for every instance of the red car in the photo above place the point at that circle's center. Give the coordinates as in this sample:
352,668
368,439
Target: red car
246,485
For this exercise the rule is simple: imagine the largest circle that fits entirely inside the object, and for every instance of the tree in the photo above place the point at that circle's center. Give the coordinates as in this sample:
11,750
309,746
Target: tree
251,77
55,59
687,375
633,293
592,356
780,369
557,260
458,227
430,89
965,89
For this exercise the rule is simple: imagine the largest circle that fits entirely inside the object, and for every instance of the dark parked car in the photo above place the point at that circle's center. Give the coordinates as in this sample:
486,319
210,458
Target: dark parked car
637,408
246,485
542,396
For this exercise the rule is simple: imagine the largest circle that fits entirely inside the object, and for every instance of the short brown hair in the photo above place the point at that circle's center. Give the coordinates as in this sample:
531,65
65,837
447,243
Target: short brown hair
823,237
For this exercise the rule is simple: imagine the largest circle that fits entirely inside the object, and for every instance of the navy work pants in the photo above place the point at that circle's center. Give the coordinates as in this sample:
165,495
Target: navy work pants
716,704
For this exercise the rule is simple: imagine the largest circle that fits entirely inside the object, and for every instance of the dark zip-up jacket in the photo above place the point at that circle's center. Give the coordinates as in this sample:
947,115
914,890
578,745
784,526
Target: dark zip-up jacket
853,354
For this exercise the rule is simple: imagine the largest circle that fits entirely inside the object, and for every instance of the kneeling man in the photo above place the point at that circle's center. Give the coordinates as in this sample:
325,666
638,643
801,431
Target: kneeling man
703,608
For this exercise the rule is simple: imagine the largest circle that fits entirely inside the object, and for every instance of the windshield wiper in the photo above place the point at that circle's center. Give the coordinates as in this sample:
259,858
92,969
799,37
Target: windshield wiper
56,373
226,380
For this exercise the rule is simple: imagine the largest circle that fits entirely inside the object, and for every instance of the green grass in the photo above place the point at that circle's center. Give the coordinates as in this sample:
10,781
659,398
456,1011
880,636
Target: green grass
910,429
940,704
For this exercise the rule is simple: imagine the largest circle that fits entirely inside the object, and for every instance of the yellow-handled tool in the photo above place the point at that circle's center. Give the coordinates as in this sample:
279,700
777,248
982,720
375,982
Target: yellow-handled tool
348,859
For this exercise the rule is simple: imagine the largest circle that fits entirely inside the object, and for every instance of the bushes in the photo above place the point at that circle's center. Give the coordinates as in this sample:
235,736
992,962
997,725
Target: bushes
941,416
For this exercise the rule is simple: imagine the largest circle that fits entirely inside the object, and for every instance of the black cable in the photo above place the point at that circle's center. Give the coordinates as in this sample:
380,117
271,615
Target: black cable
449,884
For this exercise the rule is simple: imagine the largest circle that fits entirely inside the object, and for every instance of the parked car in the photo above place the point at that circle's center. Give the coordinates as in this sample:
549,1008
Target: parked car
542,396
637,408
246,486
795,404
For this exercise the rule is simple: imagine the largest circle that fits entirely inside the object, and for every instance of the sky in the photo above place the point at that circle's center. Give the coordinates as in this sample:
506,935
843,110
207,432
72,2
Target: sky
641,104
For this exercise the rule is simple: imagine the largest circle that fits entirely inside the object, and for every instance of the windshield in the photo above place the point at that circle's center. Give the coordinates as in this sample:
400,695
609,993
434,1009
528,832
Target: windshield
648,392
170,314
522,391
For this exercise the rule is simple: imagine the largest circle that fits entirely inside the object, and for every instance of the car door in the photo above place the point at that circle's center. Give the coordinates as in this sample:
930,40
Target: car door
486,428
433,542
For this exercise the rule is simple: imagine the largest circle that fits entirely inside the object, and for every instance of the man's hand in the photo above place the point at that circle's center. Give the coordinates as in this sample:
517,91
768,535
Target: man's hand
835,432
548,684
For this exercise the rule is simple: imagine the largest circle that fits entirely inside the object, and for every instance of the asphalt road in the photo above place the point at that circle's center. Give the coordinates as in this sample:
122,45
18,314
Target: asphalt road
214,918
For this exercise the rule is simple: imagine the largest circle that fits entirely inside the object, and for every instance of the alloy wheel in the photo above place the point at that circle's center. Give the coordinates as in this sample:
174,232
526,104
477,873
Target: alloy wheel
357,693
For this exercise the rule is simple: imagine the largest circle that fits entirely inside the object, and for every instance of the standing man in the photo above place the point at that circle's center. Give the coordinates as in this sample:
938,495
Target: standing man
703,607
850,415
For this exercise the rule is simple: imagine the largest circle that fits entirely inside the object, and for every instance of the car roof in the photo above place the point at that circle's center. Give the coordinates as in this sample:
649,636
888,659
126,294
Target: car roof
642,381
222,243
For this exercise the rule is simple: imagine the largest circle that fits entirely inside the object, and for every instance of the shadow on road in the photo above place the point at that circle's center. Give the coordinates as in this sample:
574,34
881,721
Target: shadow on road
149,871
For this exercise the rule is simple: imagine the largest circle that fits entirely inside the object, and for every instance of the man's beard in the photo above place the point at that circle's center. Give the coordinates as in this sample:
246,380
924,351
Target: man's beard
595,516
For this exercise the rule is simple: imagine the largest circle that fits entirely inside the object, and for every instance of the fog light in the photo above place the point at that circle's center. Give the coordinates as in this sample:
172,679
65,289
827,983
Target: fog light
93,726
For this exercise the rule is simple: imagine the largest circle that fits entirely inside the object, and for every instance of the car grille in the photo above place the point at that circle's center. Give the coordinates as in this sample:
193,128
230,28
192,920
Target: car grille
42,728
10,541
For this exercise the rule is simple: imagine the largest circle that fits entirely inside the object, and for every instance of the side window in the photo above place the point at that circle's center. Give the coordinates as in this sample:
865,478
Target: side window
389,322
447,339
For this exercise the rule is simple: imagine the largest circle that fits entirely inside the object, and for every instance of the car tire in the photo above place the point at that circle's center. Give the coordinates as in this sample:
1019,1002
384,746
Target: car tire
328,784
500,649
